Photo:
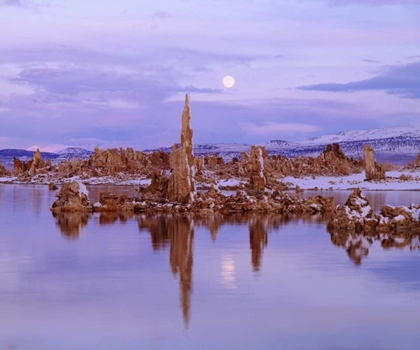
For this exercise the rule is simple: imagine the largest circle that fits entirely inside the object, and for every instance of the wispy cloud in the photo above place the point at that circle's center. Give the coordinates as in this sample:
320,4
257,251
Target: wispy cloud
11,3
402,80
371,61
161,15
372,2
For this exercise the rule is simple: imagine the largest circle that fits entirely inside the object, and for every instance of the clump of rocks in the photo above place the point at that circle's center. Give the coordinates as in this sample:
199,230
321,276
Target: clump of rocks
356,216
354,226
72,197
3,170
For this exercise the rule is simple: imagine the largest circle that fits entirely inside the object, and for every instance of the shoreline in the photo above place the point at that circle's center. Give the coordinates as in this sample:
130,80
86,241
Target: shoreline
307,183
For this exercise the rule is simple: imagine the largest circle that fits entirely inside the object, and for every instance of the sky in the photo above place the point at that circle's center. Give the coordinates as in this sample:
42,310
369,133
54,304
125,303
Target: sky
115,73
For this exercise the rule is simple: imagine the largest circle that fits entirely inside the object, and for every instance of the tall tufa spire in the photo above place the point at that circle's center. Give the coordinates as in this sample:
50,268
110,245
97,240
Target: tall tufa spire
181,186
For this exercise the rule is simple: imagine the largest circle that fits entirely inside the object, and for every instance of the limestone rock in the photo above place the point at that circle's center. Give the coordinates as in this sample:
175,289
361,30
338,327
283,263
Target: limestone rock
52,186
199,165
181,186
20,167
356,216
257,179
3,170
158,187
372,169
72,197
352,216
37,163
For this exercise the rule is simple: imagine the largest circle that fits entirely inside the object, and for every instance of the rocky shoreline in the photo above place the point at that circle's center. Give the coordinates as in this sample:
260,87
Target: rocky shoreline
182,183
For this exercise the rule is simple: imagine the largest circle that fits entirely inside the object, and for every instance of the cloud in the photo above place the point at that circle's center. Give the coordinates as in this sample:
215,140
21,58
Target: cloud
11,3
69,85
370,61
372,2
271,128
161,15
402,80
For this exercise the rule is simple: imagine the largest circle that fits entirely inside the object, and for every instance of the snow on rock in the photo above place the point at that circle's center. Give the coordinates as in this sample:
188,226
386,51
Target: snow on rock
354,227
230,183
72,197
356,216
392,182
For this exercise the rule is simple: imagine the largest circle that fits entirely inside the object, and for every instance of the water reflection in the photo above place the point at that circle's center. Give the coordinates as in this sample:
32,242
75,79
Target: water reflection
178,232
258,240
71,224
175,233
113,217
357,246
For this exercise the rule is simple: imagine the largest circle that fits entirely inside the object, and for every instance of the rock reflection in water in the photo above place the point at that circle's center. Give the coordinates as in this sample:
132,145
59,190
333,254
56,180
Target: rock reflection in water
258,240
71,224
178,231
357,245
109,218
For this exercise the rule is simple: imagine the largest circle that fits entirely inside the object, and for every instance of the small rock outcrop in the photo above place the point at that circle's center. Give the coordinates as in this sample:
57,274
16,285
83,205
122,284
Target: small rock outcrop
355,227
353,215
356,216
37,163
181,186
52,186
3,170
21,167
257,178
373,170
72,197
158,187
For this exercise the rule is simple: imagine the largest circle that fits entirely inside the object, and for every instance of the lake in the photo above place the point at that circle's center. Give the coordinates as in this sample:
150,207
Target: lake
82,281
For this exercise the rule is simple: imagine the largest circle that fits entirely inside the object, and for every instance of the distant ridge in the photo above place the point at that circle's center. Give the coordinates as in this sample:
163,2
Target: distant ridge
395,145
363,135
6,155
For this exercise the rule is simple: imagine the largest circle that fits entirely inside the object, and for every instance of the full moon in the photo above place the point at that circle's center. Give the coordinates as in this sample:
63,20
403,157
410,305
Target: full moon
228,81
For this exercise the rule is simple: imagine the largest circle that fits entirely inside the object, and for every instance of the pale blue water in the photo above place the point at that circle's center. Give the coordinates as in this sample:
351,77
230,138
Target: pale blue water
255,282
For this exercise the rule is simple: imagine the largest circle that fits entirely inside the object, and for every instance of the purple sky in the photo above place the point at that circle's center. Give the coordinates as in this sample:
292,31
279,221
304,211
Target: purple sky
114,73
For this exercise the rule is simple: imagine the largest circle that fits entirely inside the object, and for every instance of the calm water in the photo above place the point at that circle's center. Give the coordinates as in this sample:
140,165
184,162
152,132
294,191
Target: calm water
241,282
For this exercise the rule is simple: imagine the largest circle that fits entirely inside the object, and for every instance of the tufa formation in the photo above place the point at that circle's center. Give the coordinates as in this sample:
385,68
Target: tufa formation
181,186
372,169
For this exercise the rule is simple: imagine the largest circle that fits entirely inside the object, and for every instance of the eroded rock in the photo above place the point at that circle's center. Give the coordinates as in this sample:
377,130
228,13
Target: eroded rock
72,197
3,170
181,186
37,163
357,217
373,171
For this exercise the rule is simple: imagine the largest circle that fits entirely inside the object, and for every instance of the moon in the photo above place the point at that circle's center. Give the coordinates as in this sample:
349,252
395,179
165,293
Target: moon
228,81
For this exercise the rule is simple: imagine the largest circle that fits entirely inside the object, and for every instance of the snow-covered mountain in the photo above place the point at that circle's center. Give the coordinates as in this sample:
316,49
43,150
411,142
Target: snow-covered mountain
397,144
7,155
279,144
225,150
362,135
74,152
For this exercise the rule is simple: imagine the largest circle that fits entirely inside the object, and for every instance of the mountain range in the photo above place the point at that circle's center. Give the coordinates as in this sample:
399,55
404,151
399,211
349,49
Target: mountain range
398,145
